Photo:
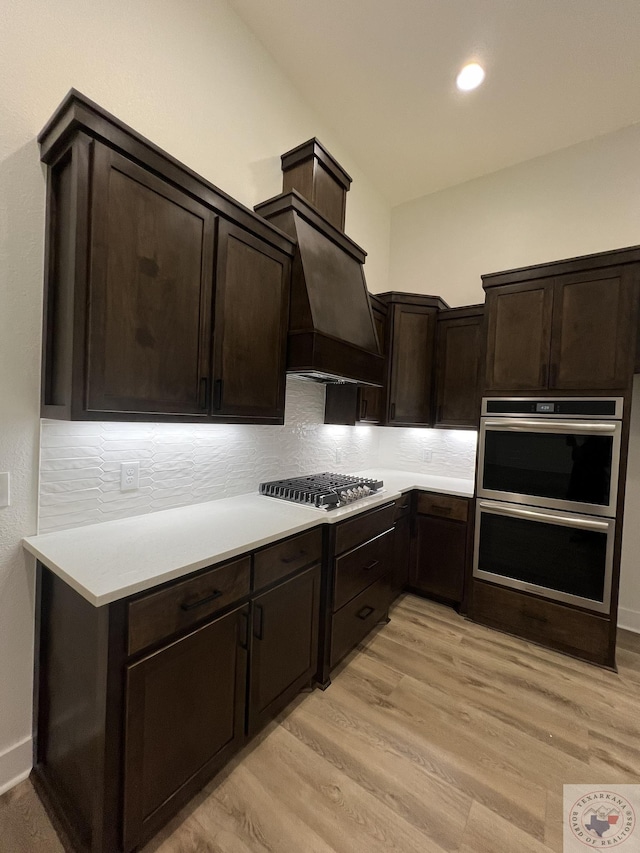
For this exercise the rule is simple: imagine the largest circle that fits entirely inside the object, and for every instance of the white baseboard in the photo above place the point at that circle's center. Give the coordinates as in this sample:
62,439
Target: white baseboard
15,764
629,620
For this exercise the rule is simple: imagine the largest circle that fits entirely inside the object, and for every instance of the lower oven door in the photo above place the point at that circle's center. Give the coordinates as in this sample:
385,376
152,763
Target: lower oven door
561,556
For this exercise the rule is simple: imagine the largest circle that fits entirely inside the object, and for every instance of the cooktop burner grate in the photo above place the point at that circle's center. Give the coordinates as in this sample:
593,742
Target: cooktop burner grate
324,491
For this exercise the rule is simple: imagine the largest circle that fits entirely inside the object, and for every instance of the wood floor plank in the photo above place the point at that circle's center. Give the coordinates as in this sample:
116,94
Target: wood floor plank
437,809
554,820
547,724
449,762
24,825
438,736
487,832
349,818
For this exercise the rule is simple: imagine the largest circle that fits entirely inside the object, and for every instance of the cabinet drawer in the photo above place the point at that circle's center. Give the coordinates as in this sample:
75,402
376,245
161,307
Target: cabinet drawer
170,610
545,622
402,506
358,569
283,558
363,527
354,621
444,506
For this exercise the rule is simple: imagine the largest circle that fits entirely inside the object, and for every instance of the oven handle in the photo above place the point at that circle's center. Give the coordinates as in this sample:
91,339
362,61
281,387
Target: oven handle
550,426
535,515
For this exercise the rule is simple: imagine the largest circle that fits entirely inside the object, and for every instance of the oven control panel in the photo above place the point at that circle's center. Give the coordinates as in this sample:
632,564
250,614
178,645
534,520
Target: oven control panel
599,408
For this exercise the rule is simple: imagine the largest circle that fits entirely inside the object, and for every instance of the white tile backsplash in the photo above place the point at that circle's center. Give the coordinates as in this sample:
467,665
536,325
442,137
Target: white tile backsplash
183,464
452,451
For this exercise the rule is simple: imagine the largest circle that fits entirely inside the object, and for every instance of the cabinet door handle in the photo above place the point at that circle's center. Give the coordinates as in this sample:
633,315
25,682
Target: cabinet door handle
217,394
244,643
439,415
393,411
201,601
365,612
204,387
259,612
544,375
371,565
553,375
365,403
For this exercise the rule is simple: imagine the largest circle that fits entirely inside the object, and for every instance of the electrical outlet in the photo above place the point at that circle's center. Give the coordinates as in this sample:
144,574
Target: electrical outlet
5,491
427,455
339,455
129,476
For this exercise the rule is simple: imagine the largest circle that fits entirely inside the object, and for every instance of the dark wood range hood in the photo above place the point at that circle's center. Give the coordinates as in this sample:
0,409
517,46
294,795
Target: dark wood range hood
332,336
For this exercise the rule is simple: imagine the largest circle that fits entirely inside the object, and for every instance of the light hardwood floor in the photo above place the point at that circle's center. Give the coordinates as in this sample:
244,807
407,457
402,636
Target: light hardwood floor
437,735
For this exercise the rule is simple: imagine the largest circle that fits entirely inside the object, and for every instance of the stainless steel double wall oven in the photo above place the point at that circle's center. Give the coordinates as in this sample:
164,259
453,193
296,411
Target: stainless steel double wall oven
547,486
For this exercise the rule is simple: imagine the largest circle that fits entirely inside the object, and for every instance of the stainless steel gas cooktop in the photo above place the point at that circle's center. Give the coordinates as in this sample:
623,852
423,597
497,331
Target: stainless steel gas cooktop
324,491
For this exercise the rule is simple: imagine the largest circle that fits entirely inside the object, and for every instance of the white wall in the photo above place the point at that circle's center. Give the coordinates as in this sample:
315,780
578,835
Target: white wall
576,201
188,75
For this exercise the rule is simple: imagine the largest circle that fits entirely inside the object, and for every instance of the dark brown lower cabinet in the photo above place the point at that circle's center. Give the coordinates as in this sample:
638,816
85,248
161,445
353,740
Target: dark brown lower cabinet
184,718
439,560
358,588
557,626
140,702
284,650
440,557
358,617
401,548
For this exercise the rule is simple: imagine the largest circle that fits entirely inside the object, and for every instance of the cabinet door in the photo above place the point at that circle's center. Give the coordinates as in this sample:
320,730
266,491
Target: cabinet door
284,653
341,403
251,323
457,372
519,336
593,330
184,717
411,354
371,401
151,270
439,565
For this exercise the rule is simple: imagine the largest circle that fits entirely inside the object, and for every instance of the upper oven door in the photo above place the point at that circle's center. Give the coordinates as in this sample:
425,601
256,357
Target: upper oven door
571,465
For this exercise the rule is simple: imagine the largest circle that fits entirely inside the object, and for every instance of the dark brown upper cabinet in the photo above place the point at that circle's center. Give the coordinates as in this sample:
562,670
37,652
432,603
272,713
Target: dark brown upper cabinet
371,400
458,357
411,339
149,292
165,299
565,326
350,404
251,322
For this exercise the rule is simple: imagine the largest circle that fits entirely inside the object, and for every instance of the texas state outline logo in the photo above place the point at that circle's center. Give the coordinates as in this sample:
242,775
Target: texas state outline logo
601,818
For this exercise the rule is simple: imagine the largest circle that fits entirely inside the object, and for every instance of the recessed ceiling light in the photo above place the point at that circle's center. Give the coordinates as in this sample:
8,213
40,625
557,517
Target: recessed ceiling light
470,77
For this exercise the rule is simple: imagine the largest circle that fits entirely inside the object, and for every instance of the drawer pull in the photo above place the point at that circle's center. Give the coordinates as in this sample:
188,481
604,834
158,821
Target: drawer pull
371,565
287,560
202,601
365,612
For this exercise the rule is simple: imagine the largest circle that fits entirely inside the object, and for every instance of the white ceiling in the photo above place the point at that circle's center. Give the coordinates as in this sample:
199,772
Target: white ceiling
382,74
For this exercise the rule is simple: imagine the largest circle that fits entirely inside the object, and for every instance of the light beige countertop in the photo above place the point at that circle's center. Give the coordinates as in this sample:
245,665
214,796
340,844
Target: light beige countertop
108,561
